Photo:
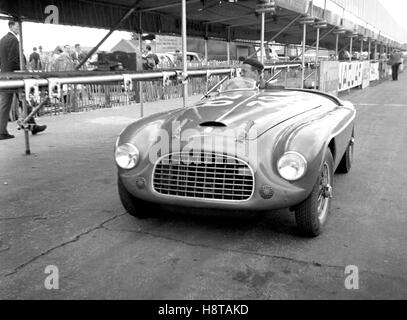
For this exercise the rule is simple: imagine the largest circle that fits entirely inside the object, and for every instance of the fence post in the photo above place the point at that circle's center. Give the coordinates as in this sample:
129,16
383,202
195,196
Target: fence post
141,100
107,96
26,128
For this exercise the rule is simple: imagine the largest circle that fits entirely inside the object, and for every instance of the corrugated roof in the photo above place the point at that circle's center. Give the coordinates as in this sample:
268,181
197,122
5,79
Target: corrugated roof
213,18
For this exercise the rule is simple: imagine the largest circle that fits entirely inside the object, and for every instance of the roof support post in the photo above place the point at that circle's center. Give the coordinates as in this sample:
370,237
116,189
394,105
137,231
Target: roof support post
228,52
184,53
337,47
304,39
324,35
279,33
206,51
317,59
113,29
263,23
228,46
206,44
381,51
320,38
141,93
375,51
351,49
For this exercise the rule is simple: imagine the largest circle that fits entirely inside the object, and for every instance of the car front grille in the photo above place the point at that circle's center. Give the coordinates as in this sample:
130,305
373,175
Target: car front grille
203,175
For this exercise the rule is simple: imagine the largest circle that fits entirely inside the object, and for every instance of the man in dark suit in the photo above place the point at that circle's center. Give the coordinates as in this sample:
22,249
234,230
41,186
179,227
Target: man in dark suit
35,60
10,62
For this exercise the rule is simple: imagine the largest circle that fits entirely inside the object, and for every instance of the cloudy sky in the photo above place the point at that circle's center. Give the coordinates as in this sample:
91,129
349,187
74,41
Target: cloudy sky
49,36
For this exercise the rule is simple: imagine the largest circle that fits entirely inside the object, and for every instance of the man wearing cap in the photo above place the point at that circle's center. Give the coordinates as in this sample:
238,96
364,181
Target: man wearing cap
252,69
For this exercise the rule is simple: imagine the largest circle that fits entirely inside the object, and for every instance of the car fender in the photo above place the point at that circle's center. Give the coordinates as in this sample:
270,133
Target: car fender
312,139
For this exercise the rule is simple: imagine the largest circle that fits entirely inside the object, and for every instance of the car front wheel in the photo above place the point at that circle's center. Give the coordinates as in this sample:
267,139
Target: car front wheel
312,214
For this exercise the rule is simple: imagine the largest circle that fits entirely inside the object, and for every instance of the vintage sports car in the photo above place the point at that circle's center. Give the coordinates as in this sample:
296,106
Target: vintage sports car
242,148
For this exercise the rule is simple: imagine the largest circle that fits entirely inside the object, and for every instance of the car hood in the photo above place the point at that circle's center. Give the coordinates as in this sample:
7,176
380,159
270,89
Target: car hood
240,112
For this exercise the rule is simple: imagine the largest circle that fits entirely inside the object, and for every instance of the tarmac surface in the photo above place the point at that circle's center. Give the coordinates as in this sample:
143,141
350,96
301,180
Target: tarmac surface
60,207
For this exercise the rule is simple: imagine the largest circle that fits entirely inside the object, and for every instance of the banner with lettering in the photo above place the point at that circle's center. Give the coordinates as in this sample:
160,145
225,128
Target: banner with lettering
350,75
374,71
365,74
168,43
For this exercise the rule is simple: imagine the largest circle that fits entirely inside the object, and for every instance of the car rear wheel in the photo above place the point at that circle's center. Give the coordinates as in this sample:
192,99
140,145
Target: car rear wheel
135,207
346,163
312,214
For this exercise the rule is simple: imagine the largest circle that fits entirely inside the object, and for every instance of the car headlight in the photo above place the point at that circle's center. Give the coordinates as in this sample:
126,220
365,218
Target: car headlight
127,156
292,166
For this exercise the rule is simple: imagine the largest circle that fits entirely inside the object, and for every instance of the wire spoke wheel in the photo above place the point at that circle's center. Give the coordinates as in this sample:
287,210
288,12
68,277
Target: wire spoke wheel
325,193
312,214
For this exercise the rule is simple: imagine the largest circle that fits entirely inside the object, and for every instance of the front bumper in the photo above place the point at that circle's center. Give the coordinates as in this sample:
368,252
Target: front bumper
284,194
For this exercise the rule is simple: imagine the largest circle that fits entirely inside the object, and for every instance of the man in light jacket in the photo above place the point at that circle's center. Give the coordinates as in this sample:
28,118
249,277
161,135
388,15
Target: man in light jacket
396,61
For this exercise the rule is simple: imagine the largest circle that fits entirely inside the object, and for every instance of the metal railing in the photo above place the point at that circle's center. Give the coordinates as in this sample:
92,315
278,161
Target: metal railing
80,92
83,92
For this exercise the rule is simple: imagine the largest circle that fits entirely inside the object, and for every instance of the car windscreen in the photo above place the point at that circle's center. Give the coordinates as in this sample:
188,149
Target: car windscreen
237,84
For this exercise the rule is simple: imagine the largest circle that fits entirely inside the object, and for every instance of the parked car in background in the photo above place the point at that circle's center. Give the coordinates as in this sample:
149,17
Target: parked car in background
167,60
193,57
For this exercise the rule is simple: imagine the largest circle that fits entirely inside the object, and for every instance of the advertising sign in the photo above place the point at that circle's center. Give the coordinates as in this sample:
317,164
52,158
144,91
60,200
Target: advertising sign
374,71
167,43
329,79
350,75
365,74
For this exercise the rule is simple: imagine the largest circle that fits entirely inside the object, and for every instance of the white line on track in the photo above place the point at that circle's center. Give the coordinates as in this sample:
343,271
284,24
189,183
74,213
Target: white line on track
379,105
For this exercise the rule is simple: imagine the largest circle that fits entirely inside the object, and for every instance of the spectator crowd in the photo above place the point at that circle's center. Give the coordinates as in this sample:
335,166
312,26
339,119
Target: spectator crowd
64,58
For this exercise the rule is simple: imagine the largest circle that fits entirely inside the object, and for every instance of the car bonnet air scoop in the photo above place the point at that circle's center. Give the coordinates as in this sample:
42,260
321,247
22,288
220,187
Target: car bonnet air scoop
212,124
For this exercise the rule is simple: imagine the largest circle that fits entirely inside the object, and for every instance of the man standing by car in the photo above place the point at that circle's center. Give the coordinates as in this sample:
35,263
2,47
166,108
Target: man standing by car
395,61
150,59
35,60
77,56
10,62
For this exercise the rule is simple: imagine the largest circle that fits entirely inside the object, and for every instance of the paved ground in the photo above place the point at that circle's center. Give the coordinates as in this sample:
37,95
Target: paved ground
60,207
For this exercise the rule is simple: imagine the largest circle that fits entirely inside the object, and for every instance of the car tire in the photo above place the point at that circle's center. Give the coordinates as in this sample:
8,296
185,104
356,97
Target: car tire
346,162
311,215
135,207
